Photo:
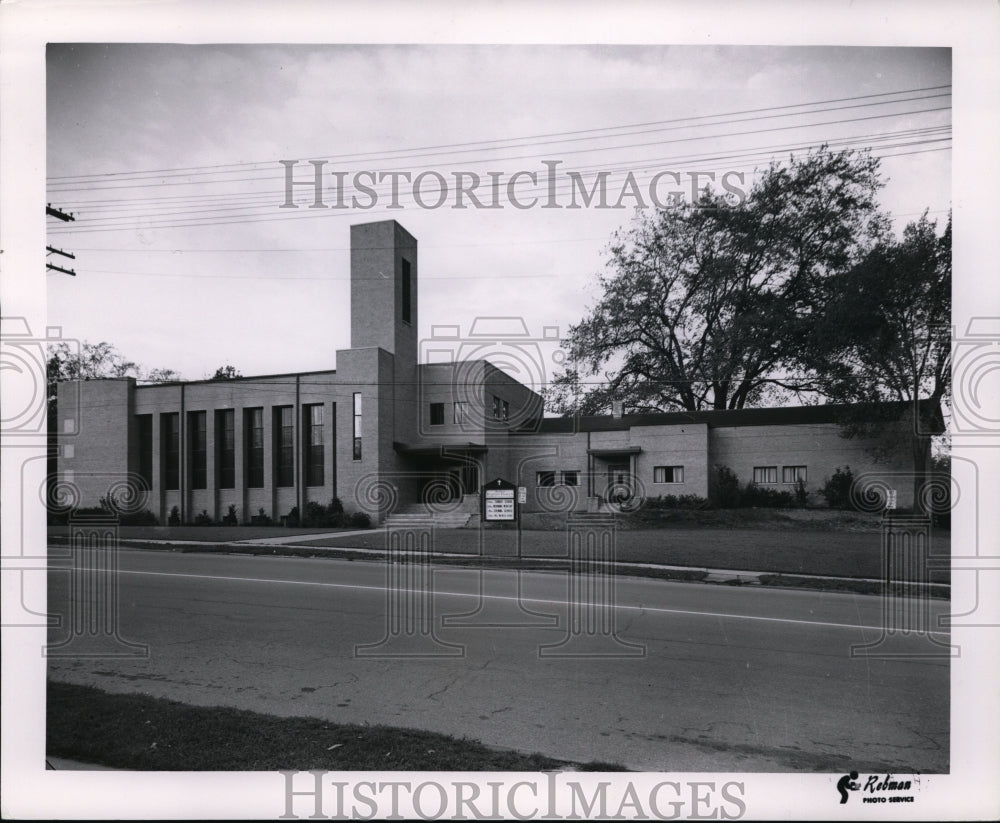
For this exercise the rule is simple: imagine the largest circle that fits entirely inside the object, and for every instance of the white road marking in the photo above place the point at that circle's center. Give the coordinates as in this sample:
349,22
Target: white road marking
657,609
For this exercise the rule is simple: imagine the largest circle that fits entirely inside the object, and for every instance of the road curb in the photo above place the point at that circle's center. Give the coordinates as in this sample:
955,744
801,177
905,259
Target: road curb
731,577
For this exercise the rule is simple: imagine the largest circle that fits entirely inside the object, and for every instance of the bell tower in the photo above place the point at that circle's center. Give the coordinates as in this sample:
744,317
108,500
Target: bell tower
384,289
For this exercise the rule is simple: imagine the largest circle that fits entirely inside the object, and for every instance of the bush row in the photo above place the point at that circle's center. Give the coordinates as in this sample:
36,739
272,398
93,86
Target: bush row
316,515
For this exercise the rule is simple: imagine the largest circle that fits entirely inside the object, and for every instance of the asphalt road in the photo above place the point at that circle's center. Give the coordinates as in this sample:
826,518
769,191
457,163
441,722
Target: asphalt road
695,677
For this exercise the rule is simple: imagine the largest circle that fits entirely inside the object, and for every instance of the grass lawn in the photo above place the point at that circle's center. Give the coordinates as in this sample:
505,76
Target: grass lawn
134,731
805,551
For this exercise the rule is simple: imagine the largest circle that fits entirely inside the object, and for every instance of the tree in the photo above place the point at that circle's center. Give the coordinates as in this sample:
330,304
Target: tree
226,372
708,304
95,361
886,336
161,376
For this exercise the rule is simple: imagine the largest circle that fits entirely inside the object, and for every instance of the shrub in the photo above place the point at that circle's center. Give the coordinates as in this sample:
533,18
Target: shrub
260,519
140,518
837,489
801,495
175,517
292,518
203,519
762,497
230,519
672,501
725,488
360,520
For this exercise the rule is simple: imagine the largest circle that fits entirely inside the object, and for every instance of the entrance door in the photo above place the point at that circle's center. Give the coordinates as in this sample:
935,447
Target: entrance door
469,479
619,488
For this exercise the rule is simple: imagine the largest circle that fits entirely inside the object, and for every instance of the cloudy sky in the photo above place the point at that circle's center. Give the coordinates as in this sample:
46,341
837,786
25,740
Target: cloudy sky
169,155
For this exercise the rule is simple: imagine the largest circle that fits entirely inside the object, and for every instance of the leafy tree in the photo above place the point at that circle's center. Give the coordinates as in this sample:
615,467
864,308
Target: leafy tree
709,305
226,372
161,376
886,336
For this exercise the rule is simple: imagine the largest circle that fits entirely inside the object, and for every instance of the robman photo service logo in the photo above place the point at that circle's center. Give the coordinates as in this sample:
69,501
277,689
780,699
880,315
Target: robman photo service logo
875,788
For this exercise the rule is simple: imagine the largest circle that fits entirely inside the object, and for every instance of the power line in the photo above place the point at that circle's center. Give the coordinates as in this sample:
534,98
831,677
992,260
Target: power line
802,126
532,137
105,204
452,152
676,161
333,212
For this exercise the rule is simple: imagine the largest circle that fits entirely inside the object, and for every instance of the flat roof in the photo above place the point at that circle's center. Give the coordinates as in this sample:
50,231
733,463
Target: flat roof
724,418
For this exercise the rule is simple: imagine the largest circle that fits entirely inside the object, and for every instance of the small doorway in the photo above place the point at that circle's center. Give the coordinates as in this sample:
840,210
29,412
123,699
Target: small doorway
465,480
619,487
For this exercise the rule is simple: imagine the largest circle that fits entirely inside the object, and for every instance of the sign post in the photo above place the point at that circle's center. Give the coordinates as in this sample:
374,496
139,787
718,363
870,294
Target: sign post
499,503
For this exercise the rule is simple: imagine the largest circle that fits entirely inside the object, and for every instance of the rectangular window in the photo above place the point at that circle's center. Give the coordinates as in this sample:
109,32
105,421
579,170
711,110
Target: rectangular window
225,438
459,412
198,448
254,426
357,425
145,426
571,478
406,287
496,407
793,474
437,414
668,474
545,480
506,410
170,440
765,474
314,444
284,446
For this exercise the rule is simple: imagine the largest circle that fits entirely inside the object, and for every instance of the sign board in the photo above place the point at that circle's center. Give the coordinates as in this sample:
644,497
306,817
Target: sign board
890,499
522,494
498,500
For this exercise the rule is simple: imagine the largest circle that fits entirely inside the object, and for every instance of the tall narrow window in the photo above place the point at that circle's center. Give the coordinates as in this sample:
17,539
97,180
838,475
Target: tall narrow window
284,446
437,414
314,444
459,415
225,437
146,448
170,440
505,412
405,287
496,407
357,425
198,448
254,427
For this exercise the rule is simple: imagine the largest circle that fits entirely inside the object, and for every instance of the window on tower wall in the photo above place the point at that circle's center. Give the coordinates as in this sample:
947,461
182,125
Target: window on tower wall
357,425
406,287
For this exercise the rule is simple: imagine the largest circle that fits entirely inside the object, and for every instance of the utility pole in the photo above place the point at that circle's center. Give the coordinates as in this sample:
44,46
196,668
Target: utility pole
62,215
65,217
